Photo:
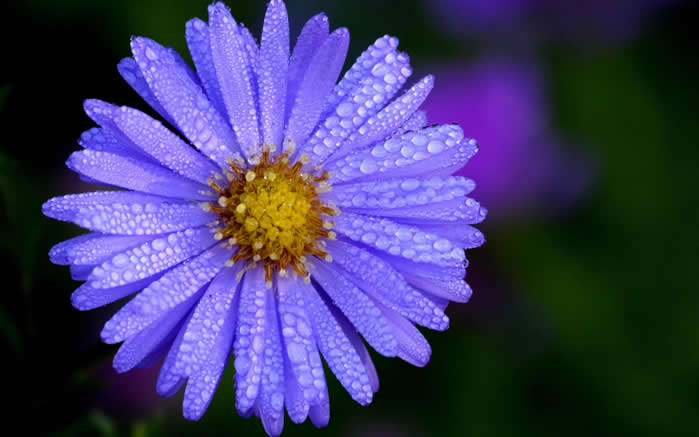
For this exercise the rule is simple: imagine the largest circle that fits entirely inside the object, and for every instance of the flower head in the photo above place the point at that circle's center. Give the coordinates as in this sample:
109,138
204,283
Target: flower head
305,214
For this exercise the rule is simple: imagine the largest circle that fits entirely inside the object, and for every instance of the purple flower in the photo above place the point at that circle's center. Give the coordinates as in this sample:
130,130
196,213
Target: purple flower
521,164
307,213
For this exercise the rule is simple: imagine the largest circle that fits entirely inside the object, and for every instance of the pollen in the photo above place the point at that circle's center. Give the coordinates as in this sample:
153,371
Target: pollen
271,210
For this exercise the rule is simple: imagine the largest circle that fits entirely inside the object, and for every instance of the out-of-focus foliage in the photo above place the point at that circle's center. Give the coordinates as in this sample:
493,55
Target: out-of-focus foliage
584,320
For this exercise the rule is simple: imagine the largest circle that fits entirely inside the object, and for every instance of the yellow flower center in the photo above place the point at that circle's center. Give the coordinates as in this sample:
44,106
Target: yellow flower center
271,211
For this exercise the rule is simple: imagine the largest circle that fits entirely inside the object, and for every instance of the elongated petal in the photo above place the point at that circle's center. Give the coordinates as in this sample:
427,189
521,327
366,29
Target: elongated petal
175,287
434,151
135,175
358,308
386,121
416,121
342,357
150,258
296,405
153,139
300,346
270,404
234,77
412,346
103,140
249,344
129,70
400,240
312,36
92,248
193,113
136,348
379,280
88,298
169,381
127,213
199,44
461,235
208,342
379,196
315,86
456,290
274,64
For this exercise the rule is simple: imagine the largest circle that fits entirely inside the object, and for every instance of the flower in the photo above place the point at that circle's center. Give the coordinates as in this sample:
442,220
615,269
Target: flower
504,104
306,213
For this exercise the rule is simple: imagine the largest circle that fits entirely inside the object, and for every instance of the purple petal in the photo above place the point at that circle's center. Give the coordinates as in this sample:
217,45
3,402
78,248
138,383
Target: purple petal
92,248
134,174
375,88
412,346
387,195
249,344
416,122
128,68
317,82
456,290
152,138
81,272
400,240
433,151
125,212
357,307
136,348
274,64
88,298
234,77
388,120
195,116
296,404
103,140
151,258
314,32
382,282
301,351
199,44
207,343
270,403
340,354
175,287
169,382
460,234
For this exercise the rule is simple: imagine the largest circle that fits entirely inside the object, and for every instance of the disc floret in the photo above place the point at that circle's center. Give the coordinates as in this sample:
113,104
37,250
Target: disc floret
272,212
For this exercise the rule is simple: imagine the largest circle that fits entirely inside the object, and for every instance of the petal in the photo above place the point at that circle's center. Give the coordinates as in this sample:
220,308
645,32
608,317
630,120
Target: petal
134,174
357,306
153,139
88,298
274,64
456,290
301,351
249,344
169,382
412,346
126,212
151,258
339,352
199,44
92,248
175,287
81,272
313,89
416,122
208,342
296,404
234,77
461,235
163,330
388,120
400,240
382,197
128,68
193,113
375,89
312,36
382,282
433,151
104,140
270,403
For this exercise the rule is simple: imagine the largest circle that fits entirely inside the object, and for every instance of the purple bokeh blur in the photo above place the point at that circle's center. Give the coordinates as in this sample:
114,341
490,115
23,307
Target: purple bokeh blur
588,21
522,164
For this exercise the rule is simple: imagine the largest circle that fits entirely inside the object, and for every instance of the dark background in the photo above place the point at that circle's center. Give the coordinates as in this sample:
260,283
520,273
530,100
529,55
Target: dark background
585,314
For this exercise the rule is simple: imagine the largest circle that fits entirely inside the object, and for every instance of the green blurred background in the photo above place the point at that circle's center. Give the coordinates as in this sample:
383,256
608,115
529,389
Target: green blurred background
584,319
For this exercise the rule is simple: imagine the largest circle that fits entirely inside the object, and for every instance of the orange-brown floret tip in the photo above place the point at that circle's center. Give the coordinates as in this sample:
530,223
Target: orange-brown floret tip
272,212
